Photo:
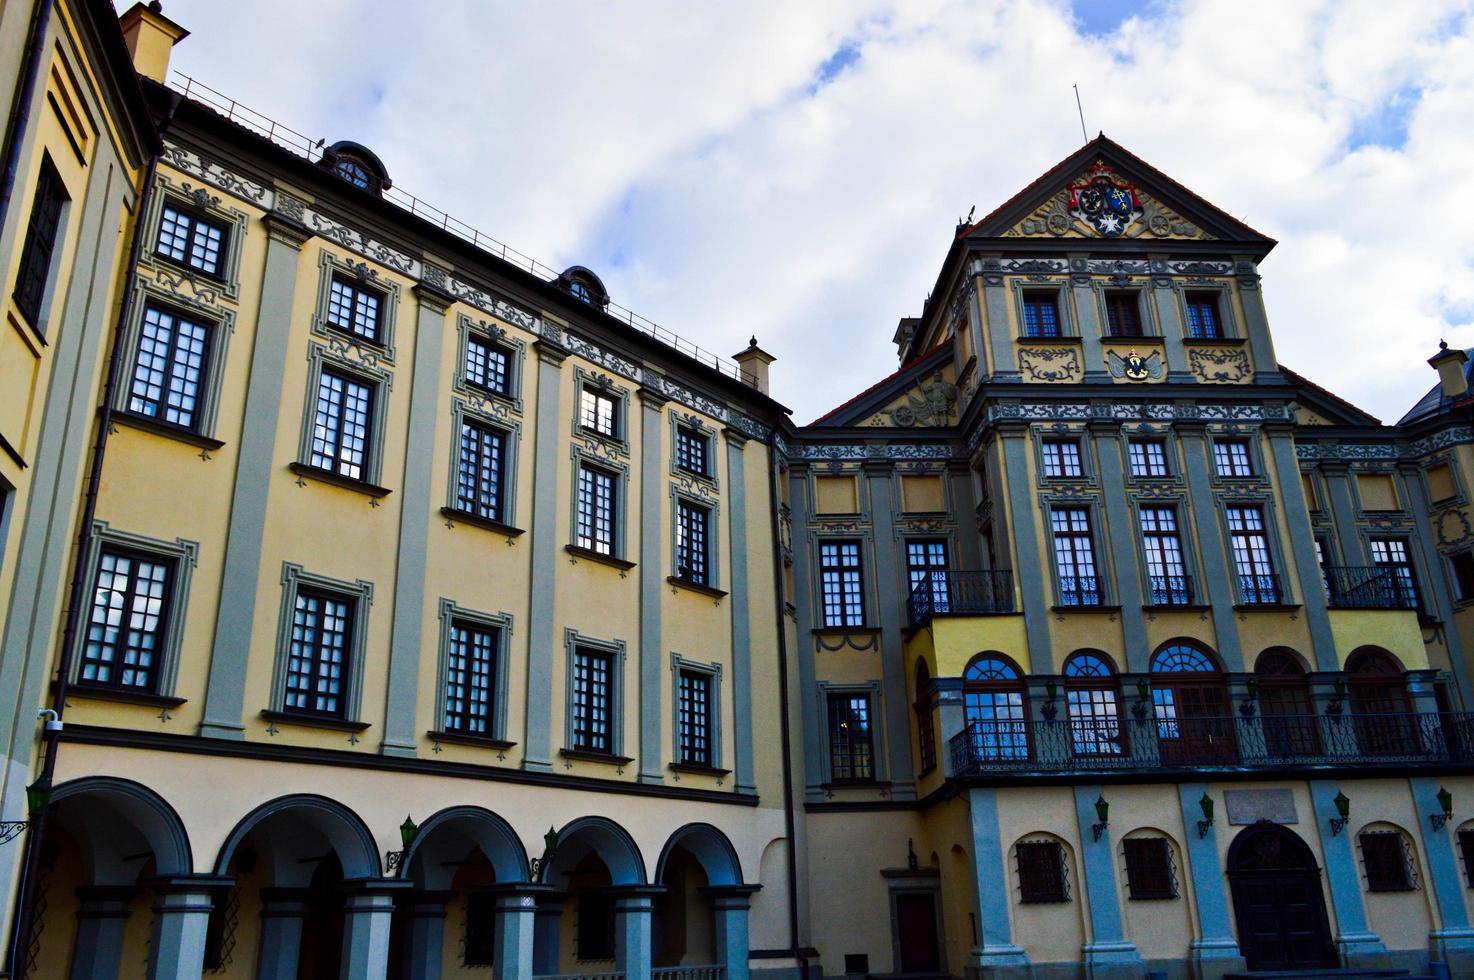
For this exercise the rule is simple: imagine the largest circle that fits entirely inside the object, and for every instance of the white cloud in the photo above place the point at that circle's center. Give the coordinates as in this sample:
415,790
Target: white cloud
693,156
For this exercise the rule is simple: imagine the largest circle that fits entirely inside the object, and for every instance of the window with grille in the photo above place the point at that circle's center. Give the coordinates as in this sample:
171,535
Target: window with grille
169,368
488,366
1250,544
470,679
593,700
1391,554
1203,321
40,244
693,451
692,536
127,623
341,424
851,749
1123,314
480,947
1149,871
1231,457
1061,457
598,412
1148,457
319,654
1466,851
1388,865
479,473
596,490
1041,314
1166,572
1041,872
694,716
841,583
353,308
1074,557
926,563
191,240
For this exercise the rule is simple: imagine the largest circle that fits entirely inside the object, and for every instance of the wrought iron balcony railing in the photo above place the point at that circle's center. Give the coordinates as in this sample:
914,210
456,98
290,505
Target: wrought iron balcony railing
961,593
1171,590
1156,742
1081,590
1260,590
1367,587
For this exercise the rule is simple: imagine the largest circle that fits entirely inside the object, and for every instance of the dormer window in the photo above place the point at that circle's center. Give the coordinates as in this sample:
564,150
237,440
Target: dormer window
581,291
584,286
354,172
356,164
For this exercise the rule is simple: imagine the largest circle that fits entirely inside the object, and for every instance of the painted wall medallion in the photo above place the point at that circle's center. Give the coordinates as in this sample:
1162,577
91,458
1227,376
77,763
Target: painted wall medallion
1134,367
1105,201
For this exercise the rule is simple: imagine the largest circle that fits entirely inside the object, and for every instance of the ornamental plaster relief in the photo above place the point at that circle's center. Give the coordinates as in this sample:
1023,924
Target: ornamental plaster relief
1101,204
1050,364
1216,365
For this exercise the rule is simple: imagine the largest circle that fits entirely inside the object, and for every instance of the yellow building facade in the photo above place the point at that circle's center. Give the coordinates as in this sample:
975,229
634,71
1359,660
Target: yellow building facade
395,606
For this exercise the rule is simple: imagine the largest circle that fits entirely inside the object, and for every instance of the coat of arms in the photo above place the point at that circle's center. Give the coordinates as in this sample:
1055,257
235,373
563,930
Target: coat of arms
1105,202
1134,367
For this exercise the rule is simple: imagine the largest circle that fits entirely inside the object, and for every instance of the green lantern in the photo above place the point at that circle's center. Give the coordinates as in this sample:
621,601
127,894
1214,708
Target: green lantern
38,794
407,831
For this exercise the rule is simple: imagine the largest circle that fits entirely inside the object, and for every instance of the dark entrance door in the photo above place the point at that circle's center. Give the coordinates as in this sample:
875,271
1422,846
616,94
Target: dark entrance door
916,926
1278,902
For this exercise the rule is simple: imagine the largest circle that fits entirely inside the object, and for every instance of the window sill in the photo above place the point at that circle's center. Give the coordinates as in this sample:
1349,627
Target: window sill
705,590
121,696
705,478
607,758
145,424
1194,607
1137,337
856,784
1068,339
1265,606
354,337
615,442
1214,341
843,630
692,768
460,516
476,741
192,270
338,480
1083,607
33,331
314,721
595,556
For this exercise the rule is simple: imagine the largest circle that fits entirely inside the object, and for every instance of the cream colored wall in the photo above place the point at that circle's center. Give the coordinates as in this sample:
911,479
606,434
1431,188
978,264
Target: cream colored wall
1052,932
1402,919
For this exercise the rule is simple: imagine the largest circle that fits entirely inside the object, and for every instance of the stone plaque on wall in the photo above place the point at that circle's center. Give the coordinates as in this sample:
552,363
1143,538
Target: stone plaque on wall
1246,806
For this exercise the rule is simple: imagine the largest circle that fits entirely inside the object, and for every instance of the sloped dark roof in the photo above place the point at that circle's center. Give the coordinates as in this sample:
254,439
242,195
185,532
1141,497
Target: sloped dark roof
1331,399
919,364
1435,402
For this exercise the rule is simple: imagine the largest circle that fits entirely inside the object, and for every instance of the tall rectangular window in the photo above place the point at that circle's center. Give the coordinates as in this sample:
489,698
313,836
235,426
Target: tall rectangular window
479,472
851,747
1231,457
125,630
1251,556
1148,457
341,424
1123,313
1165,571
694,716
169,369
926,562
1385,859
488,366
1074,557
1041,314
1391,554
692,542
190,240
1061,457
318,662
1203,321
842,584
593,700
693,450
354,309
598,412
40,244
470,679
595,531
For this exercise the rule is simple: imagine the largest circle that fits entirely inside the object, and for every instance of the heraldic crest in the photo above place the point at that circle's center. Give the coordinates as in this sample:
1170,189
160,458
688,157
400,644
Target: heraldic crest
1134,367
1105,201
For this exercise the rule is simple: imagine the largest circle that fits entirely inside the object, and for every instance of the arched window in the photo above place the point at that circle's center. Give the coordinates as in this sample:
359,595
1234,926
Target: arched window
1190,702
354,172
993,692
1290,727
1385,724
926,728
356,164
1092,696
583,285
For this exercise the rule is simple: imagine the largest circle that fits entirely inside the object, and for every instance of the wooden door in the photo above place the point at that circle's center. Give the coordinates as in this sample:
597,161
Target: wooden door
1203,731
1278,902
916,928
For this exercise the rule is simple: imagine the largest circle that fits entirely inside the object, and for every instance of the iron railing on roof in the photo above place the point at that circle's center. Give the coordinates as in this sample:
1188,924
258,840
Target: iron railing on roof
304,146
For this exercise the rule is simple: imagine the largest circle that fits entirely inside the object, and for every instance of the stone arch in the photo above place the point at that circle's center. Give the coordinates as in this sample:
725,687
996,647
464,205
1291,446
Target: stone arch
712,850
298,826
121,817
610,842
456,831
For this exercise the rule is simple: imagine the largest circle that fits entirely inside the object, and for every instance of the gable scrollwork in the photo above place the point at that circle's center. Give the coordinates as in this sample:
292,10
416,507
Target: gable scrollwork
1049,363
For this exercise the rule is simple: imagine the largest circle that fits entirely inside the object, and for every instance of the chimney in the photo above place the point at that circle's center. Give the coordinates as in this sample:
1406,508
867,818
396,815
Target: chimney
754,363
1450,366
150,37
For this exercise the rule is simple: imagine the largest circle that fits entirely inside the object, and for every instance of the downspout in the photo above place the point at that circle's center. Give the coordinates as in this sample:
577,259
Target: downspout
51,739
783,730
20,105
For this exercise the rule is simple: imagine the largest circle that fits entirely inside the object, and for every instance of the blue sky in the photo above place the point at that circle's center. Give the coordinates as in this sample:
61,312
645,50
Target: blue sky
795,171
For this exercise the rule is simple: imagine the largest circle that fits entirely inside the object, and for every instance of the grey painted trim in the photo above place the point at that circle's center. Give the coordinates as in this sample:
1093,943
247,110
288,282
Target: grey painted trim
183,556
1069,325
1087,316
679,496
697,484
334,359
450,613
573,640
226,691
1175,293
1214,925
875,691
1000,338
1218,587
1125,554
219,321
651,579
462,412
712,670
1256,323
742,711
1098,857
891,617
361,594
621,472
1302,542
1436,574
406,634
543,560
990,874
1342,876
365,276
1031,577
1168,306
1438,845
1265,503
800,496
619,443
490,403
1343,515
1151,327
196,201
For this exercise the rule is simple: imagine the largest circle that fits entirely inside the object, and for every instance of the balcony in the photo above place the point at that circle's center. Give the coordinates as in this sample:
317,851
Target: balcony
1030,747
1170,590
1367,587
1081,590
1260,590
960,594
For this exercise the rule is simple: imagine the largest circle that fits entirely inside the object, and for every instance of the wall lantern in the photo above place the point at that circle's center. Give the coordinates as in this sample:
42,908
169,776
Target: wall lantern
1343,807
1102,811
540,864
38,794
407,831
1207,805
1446,805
